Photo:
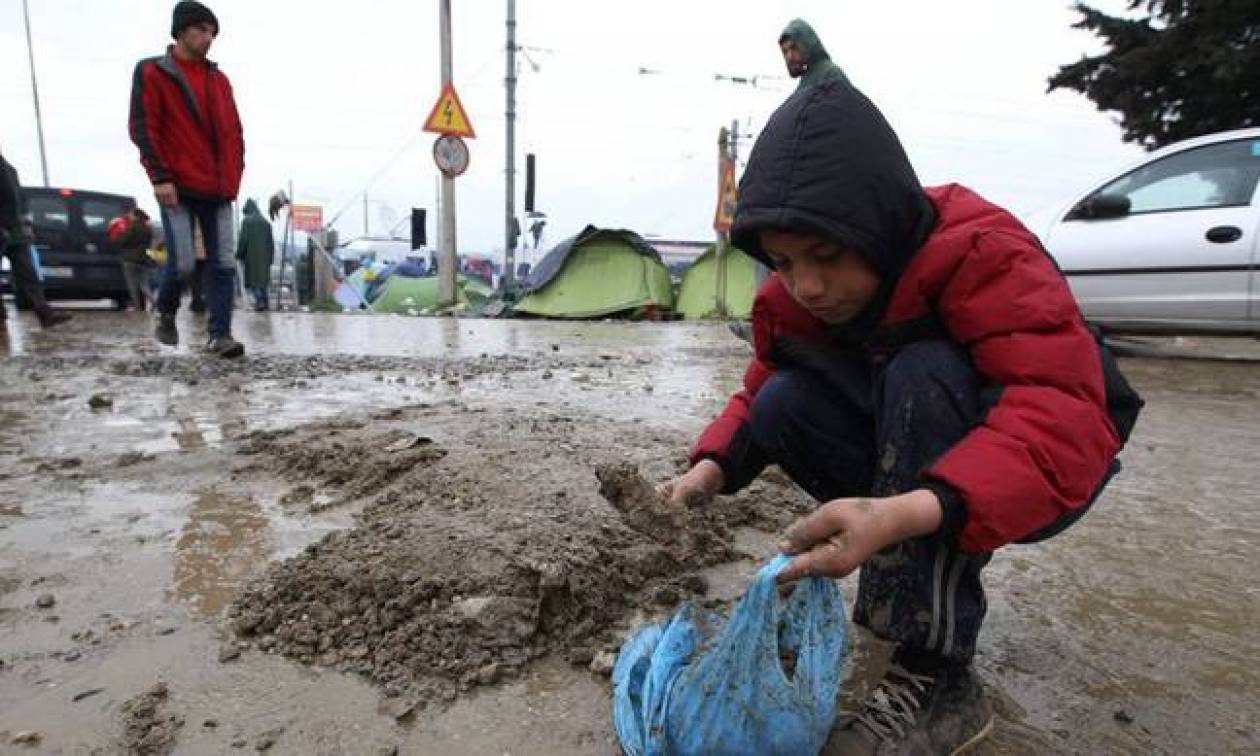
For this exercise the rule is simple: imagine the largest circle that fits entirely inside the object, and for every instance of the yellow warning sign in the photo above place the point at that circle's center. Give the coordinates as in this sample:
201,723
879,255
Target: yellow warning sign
448,116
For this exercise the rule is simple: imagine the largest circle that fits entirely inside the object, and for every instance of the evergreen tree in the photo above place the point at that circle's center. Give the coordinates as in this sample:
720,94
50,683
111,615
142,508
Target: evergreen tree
1191,67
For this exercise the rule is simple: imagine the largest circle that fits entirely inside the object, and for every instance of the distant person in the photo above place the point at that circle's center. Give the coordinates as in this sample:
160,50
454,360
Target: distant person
185,123
15,241
133,235
923,371
806,58
256,249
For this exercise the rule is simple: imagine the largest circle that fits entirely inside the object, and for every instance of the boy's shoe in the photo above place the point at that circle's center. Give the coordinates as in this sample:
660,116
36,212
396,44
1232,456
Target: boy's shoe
942,714
53,318
165,330
225,346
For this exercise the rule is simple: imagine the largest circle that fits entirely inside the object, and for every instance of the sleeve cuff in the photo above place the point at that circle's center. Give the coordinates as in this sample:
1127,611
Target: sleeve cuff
953,508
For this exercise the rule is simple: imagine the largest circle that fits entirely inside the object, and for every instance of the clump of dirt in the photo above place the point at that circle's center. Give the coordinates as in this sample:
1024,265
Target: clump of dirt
147,729
685,530
339,457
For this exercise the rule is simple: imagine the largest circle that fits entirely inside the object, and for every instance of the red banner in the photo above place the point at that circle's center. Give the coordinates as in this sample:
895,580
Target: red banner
728,195
308,218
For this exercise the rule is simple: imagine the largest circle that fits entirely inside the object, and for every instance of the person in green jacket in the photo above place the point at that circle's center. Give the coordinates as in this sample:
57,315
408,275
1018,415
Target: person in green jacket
255,249
805,56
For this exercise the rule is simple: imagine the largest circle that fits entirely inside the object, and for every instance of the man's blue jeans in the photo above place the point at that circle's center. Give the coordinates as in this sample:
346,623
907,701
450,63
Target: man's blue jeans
214,218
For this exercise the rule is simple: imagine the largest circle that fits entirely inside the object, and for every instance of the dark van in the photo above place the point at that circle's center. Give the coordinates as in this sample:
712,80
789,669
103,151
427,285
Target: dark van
75,256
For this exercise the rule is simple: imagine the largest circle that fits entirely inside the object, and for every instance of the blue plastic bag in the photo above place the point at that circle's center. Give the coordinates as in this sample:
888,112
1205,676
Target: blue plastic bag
693,686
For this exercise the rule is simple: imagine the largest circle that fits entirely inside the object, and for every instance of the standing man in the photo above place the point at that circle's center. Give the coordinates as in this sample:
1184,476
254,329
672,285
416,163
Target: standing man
185,123
255,250
15,243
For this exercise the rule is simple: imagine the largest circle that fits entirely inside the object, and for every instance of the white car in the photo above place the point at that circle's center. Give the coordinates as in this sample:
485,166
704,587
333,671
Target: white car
1169,244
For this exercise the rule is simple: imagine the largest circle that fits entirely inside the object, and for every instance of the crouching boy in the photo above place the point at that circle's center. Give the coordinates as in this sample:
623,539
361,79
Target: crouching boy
923,371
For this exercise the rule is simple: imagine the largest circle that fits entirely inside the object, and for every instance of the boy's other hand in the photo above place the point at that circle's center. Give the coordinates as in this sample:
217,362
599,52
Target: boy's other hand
699,484
842,534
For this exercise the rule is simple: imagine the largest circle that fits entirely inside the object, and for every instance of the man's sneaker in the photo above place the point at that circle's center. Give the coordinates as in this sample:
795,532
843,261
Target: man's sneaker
917,715
165,331
53,318
225,346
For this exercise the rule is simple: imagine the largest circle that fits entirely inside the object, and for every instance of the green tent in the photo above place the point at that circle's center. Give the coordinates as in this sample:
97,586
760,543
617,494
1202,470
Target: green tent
697,294
597,273
404,294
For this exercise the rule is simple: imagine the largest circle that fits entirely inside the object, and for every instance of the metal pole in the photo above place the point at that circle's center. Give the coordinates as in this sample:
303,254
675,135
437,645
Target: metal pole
719,252
366,233
446,282
39,121
509,245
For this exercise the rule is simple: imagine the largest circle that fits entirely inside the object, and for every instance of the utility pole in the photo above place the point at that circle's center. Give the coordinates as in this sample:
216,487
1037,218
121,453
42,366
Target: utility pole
722,248
446,281
509,81
365,215
39,121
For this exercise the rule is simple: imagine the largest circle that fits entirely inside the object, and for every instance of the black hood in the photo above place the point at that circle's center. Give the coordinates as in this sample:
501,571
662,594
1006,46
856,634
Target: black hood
827,163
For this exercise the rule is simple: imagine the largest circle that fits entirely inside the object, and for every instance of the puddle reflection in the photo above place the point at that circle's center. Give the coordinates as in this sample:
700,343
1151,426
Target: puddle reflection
223,541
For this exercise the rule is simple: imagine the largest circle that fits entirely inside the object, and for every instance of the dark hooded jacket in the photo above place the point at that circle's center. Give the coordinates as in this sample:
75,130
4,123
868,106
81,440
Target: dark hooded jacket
12,205
818,66
255,247
952,266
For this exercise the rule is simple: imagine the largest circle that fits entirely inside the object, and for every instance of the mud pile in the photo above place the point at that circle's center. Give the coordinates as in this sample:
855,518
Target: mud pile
483,554
147,729
193,368
347,458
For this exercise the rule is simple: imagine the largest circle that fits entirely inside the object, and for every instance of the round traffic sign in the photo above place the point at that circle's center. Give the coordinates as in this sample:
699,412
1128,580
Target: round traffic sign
451,155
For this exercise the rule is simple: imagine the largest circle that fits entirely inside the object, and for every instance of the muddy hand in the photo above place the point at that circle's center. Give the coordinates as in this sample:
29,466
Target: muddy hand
842,534
694,487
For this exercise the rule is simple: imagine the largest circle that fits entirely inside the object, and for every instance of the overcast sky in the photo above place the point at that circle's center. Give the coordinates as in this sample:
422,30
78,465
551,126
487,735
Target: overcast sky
333,96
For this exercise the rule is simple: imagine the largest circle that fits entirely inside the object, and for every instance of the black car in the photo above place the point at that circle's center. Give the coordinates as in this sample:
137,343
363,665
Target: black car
76,259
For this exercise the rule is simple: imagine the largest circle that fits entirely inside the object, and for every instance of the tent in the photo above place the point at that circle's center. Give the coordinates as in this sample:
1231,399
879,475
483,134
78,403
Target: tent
697,294
599,272
404,294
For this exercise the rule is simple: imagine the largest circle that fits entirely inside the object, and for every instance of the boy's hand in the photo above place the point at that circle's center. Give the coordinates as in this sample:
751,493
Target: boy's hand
700,483
842,534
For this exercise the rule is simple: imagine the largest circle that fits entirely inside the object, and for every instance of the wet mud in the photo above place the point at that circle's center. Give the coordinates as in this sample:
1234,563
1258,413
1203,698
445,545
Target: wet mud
470,562
393,535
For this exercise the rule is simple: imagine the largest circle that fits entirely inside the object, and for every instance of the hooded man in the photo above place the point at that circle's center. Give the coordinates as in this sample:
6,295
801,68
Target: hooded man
805,57
185,124
922,370
256,249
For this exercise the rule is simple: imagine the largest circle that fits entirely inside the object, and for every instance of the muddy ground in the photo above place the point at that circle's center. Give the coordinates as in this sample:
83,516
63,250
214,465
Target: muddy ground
387,535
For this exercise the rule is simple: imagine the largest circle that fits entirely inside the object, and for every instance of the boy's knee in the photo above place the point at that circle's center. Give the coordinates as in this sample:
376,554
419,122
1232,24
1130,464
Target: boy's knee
926,368
780,402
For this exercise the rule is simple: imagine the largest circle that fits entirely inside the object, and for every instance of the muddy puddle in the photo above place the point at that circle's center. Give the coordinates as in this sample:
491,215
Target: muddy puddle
394,535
